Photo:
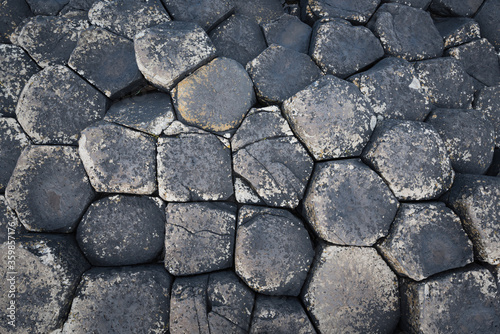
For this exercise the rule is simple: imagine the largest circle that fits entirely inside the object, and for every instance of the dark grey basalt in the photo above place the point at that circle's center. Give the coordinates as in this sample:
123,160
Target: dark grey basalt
45,200
12,14
121,300
487,17
488,101
421,4
199,237
457,30
262,11
9,224
206,13
455,7
78,6
273,250
12,142
47,270
342,49
46,7
358,11
288,31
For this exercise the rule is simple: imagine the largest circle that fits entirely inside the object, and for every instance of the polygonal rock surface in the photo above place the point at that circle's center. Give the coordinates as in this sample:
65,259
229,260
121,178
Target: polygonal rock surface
216,97
77,6
270,159
46,7
393,90
8,223
422,4
349,204
457,30
273,251
107,61
352,290
464,301
278,73
12,142
455,7
45,200
411,157
121,230
406,32
488,101
288,31
44,277
342,49
425,239
199,237
487,17
127,17
56,104
168,52
358,11
331,117
106,301
206,13
468,136
12,14
262,11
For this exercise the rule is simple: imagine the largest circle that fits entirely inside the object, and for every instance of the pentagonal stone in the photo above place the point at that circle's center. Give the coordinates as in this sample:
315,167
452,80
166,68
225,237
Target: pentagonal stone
238,37
358,11
487,17
106,301
56,104
342,49
199,237
118,160
488,101
349,204
46,7
475,199
49,189
288,31
273,251
406,32
457,30
12,142
411,157
464,300
455,7
331,117
468,136
268,158
278,73
127,17
434,241
262,11
107,61
206,13
422,4
151,113
9,224
352,290
12,14
393,90
43,278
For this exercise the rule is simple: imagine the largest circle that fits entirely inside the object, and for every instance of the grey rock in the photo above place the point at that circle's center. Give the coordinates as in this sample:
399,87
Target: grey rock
411,158
278,73
487,17
262,11
107,301
455,7
48,201
457,30
288,31
9,224
488,101
78,6
12,13
118,159
273,251
47,270
358,11
12,142
342,49
421,4
206,13
46,7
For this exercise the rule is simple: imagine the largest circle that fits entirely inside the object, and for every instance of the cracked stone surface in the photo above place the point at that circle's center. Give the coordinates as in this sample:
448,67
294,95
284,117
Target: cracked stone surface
488,101
288,31
12,142
358,11
457,30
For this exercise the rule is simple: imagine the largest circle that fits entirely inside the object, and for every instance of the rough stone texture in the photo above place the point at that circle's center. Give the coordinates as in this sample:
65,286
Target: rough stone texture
45,200
343,295
488,101
78,6
349,204
278,73
288,31
168,52
47,270
411,157
199,237
280,315
393,90
273,250
121,300
12,142
406,32
118,160
487,17
9,223
268,158
342,49
358,11
46,7
56,104
426,239
457,30
463,301
455,7
262,11
468,136
127,17
12,13
421,4
206,13
122,230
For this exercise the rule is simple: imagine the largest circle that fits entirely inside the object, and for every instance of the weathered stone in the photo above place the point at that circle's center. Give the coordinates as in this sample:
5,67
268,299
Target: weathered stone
393,90
206,13
331,117
455,7
406,32
270,159
56,104
49,189
168,52
494,169
487,17
46,7
273,250
426,239
9,224
352,290
468,136
12,142
288,31
342,49
77,6
118,160
457,30
421,4
278,73
262,11
46,273
12,13
358,11
411,157
488,101
121,300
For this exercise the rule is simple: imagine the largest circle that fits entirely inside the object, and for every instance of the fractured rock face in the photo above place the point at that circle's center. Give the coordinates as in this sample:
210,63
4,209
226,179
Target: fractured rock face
358,11
12,142
457,30
206,13
488,101
288,31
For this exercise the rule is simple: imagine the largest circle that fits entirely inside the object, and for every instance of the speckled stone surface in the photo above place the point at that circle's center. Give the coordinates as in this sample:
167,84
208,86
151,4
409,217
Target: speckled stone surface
488,101
12,142
486,17
13,13
457,30
358,11
206,13
288,31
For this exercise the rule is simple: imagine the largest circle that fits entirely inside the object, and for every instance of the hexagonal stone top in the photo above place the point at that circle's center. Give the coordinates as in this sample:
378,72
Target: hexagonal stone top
354,10
206,13
12,142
